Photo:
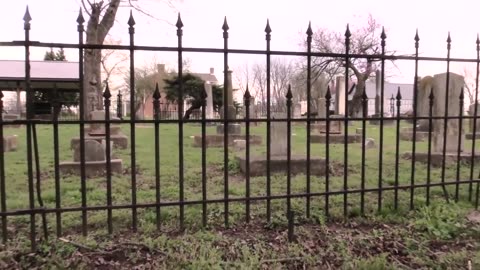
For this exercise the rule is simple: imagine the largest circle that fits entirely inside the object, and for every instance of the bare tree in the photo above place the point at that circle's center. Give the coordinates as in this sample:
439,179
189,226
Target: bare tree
470,84
101,18
282,73
112,60
363,41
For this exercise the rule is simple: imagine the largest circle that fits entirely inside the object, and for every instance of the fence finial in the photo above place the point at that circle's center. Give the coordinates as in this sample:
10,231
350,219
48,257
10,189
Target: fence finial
156,93
131,21
364,94
179,23
417,38
289,94
348,34
246,97
80,19
462,95
27,18
107,94
268,30
383,35
399,95
309,29
225,24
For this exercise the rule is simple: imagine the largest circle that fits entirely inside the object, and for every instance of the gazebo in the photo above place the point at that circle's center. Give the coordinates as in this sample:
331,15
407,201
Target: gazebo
61,76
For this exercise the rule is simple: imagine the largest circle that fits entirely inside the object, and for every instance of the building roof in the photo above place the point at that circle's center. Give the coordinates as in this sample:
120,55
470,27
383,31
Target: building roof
207,77
43,74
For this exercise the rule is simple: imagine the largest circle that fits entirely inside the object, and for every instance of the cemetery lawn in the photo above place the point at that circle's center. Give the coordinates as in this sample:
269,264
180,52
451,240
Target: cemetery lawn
441,236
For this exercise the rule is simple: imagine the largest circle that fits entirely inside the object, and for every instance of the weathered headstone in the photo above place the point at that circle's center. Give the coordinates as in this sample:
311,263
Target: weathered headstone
297,110
239,144
10,143
94,151
340,95
320,90
456,82
209,105
424,87
378,89
233,128
279,135
471,112
369,143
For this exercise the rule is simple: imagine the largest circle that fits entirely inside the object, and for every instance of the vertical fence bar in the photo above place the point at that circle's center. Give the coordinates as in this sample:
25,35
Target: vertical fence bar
364,134
156,106
475,114
268,30
225,119
29,106
383,36
460,126
107,95
246,101
133,165
345,123
445,120
414,135
3,193
289,149
80,29
328,100
397,147
309,122
204,157
429,150
56,159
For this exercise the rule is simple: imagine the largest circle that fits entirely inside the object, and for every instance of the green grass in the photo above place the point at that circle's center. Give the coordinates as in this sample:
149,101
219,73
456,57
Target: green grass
438,221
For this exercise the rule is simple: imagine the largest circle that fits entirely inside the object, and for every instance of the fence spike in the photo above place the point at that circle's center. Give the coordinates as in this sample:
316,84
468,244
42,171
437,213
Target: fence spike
478,43
399,95
383,35
328,95
179,23
347,32
449,40
268,30
225,24
80,19
27,18
246,97
417,38
309,29
131,21
462,95
156,93
107,94
431,96
289,93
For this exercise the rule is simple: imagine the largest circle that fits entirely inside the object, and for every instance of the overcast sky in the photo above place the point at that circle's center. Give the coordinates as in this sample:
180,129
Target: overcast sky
54,21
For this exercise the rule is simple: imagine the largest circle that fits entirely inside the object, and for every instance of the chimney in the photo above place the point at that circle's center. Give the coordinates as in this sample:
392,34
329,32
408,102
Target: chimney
161,68
212,70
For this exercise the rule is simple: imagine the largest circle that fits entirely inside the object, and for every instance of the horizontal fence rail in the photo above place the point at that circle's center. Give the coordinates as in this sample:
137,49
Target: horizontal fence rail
326,146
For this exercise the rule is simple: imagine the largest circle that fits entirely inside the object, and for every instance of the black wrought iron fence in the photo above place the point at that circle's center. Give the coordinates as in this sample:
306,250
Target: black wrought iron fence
439,123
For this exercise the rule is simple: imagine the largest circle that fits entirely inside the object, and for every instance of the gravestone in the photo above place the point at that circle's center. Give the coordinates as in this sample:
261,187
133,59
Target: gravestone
320,90
424,87
340,96
233,128
336,133
297,110
279,155
454,152
473,133
95,160
10,143
97,132
456,83
10,118
279,135
209,105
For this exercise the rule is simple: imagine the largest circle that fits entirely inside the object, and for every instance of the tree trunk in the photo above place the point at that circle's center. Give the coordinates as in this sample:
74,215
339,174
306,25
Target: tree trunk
190,111
97,30
355,108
